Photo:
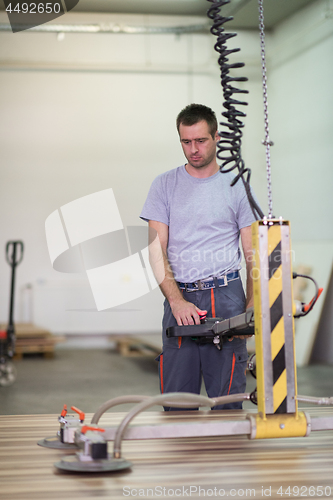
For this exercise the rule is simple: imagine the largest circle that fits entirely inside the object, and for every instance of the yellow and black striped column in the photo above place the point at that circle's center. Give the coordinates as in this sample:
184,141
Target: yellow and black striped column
277,334
274,329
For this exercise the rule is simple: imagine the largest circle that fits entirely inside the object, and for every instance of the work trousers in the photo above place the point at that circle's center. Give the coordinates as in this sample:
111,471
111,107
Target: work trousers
184,362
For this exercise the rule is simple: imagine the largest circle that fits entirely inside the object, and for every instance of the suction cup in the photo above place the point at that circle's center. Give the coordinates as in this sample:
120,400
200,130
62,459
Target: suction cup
72,463
8,373
55,443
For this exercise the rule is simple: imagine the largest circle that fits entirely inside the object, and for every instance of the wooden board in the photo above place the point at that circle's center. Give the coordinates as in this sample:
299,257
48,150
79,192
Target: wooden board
188,467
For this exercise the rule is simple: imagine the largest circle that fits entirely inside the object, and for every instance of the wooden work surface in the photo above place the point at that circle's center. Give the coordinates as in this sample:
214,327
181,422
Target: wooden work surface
188,467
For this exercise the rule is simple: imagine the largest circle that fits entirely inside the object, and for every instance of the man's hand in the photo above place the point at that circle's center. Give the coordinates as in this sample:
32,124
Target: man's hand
240,337
186,313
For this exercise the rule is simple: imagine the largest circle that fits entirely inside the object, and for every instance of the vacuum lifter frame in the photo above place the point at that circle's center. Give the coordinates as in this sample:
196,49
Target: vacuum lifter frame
278,415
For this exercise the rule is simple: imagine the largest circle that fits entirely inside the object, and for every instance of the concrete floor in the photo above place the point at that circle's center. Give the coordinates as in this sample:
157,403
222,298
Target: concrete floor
87,378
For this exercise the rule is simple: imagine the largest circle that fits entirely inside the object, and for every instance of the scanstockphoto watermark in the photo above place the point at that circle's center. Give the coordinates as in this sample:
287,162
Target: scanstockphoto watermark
221,255
24,15
87,236
217,492
188,491
196,264
121,263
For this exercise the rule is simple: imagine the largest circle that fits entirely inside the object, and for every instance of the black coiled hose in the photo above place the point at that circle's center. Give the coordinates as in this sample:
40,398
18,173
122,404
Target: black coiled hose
229,146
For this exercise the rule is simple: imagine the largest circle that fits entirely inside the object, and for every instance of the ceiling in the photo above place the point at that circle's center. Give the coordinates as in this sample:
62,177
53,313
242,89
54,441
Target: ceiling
245,12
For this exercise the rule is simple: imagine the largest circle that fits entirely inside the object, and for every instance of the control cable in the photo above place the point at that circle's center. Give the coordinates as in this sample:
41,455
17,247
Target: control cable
229,145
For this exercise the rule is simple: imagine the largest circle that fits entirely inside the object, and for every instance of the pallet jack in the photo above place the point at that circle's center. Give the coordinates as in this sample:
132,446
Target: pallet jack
271,321
14,256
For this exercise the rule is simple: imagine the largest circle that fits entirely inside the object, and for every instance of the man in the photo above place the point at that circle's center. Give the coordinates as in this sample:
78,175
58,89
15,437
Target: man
199,218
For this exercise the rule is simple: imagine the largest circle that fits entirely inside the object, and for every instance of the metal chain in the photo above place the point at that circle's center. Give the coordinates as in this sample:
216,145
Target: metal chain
267,142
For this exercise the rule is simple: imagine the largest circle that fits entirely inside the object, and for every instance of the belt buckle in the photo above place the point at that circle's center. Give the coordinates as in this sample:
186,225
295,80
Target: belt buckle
204,285
187,289
225,279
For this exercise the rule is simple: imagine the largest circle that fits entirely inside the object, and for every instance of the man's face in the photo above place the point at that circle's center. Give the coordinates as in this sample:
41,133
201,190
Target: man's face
198,145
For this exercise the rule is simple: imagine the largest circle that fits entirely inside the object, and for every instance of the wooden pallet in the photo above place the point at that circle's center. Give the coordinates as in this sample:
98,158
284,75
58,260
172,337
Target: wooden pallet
136,346
31,339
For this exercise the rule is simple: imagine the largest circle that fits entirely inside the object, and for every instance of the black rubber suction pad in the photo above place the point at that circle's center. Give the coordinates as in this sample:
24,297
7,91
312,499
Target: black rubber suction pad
55,443
72,463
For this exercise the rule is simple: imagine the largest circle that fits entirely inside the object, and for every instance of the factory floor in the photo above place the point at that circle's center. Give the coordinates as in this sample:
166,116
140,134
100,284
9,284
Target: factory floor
87,378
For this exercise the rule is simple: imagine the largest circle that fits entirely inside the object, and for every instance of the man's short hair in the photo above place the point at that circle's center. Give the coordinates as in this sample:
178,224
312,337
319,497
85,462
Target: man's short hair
194,113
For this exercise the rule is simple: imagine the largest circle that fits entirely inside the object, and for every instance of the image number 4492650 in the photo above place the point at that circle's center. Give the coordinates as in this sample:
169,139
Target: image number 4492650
34,8
24,15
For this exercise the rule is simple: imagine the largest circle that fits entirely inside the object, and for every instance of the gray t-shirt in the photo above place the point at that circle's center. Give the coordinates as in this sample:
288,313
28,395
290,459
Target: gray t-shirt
204,218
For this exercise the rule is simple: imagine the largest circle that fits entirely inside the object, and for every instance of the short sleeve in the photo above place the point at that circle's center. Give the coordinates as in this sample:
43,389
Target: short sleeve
245,216
156,206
